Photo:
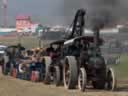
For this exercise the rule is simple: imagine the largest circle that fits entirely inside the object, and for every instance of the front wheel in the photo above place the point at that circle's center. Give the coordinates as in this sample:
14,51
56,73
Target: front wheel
111,80
82,79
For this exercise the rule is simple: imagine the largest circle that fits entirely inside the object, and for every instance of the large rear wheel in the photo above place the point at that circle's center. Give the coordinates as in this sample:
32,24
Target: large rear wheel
70,72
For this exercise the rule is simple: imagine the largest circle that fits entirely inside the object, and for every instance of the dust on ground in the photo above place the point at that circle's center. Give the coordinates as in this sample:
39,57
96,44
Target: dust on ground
13,87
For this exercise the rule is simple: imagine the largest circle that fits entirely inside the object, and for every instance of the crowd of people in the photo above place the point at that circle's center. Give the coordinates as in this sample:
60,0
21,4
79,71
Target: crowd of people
23,58
29,58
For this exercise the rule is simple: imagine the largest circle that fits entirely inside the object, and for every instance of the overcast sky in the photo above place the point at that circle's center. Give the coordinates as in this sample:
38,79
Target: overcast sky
47,12
52,12
44,11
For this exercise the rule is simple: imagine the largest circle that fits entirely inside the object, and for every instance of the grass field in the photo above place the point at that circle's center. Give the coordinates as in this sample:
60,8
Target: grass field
32,42
122,68
27,42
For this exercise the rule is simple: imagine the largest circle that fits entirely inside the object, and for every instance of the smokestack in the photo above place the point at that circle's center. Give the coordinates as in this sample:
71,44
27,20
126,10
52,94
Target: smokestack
97,25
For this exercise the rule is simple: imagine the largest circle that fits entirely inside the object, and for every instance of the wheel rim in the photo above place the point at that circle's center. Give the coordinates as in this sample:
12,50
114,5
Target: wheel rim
80,80
111,80
21,69
66,74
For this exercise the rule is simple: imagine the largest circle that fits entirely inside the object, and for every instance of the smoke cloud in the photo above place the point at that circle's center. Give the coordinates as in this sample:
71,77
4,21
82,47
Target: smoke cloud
108,12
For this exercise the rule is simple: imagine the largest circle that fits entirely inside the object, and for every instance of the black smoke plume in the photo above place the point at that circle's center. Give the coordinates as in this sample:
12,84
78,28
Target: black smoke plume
107,12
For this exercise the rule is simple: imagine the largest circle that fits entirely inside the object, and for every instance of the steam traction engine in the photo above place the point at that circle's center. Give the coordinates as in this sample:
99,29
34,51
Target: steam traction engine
83,61
80,62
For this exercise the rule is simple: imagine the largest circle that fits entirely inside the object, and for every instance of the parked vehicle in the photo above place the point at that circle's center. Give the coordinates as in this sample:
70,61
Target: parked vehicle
52,60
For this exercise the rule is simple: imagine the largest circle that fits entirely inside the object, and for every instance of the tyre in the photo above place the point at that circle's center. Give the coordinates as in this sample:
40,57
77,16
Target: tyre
47,61
82,79
57,75
24,72
20,68
70,72
111,80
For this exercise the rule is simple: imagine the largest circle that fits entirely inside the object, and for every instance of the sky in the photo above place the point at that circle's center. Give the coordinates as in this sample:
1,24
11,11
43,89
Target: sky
44,11
53,12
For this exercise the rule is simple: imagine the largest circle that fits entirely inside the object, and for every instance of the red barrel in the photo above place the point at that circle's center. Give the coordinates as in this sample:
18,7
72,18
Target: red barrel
35,76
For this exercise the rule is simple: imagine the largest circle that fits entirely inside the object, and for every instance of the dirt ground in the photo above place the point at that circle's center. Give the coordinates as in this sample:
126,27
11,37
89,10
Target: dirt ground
14,87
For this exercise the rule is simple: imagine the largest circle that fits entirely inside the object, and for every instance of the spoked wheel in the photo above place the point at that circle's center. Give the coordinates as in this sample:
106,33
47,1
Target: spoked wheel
70,72
47,61
111,80
57,77
21,68
82,79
